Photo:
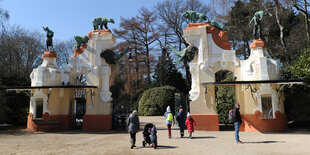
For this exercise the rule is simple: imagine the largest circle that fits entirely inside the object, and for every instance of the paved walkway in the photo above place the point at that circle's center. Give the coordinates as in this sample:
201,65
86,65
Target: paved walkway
203,142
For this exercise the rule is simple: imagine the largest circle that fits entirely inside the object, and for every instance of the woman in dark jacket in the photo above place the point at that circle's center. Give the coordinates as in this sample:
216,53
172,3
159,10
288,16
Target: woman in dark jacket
133,127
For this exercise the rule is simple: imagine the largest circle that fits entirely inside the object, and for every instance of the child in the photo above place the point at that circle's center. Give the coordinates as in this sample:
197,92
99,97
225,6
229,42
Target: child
190,123
169,120
153,136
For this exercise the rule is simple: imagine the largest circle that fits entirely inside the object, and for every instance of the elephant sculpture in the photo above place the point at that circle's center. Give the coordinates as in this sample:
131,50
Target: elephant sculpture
194,16
102,21
188,53
79,41
111,58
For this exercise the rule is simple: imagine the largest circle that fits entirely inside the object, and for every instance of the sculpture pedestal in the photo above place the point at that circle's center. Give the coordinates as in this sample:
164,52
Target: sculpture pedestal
258,43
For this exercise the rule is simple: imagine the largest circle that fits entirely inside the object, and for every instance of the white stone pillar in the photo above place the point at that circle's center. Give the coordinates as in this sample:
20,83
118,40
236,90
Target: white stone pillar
105,84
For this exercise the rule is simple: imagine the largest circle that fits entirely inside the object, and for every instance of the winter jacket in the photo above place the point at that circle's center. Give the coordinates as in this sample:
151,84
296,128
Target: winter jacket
133,123
190,123
236,115
181,118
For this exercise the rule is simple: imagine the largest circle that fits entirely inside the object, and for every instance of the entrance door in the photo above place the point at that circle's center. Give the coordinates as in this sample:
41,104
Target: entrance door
80,108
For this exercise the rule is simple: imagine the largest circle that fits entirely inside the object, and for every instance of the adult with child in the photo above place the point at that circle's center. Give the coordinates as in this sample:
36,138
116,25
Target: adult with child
169,120
190,123
181,118
237,122
133,127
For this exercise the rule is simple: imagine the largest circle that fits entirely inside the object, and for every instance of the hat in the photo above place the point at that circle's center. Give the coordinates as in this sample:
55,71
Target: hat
188,114
168,109
134,112
180,110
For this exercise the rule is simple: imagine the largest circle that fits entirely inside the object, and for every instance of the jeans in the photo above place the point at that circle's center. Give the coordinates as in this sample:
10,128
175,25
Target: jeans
237,125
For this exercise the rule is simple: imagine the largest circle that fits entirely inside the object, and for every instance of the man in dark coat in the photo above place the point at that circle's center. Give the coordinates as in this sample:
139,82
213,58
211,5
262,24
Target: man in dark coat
237,122
133,127
181,117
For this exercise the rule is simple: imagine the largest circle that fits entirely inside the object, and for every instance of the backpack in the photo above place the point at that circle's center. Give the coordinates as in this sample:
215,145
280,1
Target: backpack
170,117
230,114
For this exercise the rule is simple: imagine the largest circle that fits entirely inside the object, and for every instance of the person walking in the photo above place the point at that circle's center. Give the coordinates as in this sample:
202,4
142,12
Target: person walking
190,123
237,122
133,127
181,120
169,120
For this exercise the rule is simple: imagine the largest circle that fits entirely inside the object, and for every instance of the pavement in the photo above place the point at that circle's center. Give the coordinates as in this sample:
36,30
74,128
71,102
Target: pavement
118,142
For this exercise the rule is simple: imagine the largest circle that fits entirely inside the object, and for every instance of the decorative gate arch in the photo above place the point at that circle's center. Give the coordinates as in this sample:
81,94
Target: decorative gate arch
257,81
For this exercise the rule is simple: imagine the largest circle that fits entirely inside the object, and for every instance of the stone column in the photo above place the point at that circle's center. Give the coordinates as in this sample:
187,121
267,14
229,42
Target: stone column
105,93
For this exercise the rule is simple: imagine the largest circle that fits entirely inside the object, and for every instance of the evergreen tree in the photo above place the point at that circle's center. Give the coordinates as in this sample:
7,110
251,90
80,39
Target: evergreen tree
166,73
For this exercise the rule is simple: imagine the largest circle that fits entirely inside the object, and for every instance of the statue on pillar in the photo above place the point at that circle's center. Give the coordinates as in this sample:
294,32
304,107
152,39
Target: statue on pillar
49,35
196,16
79,41
102,21
258,21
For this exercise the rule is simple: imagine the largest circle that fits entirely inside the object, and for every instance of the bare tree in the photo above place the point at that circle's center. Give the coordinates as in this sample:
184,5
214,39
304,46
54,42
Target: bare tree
140,32
302,6
64,50
4,16
20,51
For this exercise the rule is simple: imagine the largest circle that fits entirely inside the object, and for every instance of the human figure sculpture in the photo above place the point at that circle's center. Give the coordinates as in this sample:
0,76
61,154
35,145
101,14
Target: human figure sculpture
79,41
258,20
188,53
49,35
102,21
194,16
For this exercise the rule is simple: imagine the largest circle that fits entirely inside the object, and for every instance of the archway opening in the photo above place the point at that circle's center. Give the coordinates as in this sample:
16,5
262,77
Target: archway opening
225,98
80,101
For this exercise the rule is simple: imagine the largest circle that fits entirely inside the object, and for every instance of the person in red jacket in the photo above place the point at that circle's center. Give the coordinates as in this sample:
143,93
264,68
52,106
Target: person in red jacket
190,123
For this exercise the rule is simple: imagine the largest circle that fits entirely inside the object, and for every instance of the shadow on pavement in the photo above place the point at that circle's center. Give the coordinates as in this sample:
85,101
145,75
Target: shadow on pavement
166,147
263,142
205,137
158,147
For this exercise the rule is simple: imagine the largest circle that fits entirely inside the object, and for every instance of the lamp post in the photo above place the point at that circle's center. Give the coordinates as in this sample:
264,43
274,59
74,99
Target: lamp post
130,91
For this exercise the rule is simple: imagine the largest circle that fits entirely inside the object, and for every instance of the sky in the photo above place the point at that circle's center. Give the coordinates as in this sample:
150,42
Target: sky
68,18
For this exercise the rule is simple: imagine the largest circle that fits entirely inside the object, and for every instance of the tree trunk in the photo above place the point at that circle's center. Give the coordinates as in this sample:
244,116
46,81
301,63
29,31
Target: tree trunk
148,66
281,27
306,14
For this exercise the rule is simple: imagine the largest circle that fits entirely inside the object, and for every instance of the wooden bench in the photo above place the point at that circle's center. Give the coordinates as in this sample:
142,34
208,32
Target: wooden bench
43,124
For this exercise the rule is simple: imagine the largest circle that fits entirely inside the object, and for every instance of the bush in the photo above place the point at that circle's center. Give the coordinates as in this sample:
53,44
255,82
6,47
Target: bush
154,101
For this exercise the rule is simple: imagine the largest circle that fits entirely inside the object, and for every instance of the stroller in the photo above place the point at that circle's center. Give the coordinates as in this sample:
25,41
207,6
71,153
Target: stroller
149,135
